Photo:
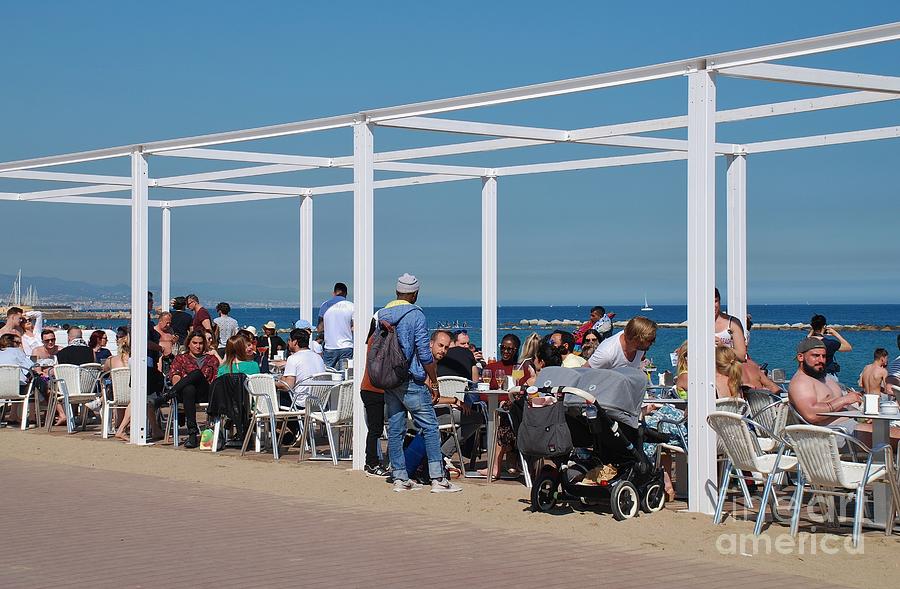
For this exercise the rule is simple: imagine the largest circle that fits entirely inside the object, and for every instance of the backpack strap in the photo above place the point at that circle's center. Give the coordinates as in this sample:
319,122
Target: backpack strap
387,326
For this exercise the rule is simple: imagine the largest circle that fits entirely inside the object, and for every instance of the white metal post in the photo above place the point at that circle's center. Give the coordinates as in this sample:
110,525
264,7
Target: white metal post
737,237
306,258
139,262
363,272
489,266
165,294
701,214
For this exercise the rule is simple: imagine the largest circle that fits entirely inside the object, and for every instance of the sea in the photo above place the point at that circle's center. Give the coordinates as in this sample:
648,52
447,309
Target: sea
773,347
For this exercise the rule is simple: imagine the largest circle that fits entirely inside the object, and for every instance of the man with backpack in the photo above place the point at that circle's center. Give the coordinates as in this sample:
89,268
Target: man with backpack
399,361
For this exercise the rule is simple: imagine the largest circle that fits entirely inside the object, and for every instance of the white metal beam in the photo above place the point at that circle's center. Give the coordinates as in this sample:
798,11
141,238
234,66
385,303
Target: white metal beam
772,72
225,174
66,177
363,272
139,263
701,230
226,199
586,164
72,191
489,266
249,156
431,169
737,236
306,258
855,38
823,140
80,200
476,128
166,260
240,187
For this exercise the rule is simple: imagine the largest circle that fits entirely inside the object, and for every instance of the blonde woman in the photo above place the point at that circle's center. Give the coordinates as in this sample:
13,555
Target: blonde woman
529,353
728,373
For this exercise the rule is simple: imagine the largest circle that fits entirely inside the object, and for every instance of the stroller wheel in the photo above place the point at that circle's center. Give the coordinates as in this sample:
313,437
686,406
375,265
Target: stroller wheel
654,498
545,491
624,500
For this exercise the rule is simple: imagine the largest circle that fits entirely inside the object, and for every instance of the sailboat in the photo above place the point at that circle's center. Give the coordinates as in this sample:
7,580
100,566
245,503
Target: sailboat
646,306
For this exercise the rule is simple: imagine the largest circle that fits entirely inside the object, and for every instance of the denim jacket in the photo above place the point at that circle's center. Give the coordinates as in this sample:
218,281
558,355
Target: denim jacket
412,334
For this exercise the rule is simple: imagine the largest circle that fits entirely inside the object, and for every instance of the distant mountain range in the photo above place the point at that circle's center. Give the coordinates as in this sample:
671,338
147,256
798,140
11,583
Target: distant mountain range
56,290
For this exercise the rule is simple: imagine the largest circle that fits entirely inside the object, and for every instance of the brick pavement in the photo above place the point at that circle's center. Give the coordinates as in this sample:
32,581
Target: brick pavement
107,529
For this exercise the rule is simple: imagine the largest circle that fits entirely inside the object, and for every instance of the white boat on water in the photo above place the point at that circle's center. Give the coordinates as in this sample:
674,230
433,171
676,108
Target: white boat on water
646,306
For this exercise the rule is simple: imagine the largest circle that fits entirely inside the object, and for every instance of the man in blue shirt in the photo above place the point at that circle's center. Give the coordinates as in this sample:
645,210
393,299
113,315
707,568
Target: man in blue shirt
834,342
413,395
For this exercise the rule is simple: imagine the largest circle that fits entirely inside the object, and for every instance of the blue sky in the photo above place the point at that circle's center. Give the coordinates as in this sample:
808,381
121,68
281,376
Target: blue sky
822,222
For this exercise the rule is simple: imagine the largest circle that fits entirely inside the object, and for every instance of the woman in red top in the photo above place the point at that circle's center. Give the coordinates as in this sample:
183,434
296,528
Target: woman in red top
191,374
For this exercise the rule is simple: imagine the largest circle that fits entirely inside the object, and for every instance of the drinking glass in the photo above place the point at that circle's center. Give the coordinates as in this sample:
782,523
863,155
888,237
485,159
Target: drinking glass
518,372
500,375
486,376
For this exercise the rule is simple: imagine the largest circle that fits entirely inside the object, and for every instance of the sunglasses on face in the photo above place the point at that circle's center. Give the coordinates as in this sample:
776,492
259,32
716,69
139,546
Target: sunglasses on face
50,341
590,340
507,348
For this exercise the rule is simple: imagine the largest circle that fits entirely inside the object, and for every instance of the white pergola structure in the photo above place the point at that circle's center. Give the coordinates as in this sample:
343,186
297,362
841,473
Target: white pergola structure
700,150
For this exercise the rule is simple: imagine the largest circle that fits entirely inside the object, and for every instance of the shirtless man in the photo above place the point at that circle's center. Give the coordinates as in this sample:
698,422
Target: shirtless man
871,379
14,317
167,340
810,393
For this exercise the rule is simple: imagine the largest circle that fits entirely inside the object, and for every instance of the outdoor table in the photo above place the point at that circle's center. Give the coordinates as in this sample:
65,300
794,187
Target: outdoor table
493,401
664,401
881,434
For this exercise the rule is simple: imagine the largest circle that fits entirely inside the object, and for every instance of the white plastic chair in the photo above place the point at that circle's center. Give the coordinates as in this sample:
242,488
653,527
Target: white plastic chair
821,467
743,453
266,409
10,392
120,379
340,419
453,386
72,385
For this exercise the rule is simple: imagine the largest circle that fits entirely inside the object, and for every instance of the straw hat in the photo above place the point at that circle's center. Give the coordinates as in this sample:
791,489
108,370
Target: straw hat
269,325
251,329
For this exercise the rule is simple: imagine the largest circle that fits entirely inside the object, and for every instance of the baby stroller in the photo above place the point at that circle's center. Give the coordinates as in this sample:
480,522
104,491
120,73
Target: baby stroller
606,462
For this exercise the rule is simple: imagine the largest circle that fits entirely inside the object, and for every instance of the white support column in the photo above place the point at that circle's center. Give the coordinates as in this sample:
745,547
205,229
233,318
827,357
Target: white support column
306,258
363,272
489,266
737,237
139,262
165,291
701,230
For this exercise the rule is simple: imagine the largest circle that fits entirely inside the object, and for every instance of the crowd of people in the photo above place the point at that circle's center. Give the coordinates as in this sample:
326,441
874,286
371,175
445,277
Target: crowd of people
188,350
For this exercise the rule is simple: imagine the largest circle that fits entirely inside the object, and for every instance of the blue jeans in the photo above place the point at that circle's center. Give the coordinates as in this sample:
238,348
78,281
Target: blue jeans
415,398
333,358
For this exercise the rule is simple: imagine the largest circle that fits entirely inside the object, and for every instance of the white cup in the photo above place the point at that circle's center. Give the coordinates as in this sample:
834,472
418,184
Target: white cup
279,355
870,404
484,386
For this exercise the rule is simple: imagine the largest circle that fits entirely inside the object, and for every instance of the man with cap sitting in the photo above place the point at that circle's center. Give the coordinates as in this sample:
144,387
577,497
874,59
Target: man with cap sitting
811,394
413,395
270,340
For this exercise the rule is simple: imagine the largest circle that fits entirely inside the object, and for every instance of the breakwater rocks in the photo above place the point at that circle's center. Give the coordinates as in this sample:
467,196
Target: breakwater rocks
556,323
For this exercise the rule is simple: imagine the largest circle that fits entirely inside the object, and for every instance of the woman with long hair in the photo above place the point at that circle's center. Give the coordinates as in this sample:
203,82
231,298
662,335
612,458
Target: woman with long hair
238,358
528,354
97,343
191,374
728,373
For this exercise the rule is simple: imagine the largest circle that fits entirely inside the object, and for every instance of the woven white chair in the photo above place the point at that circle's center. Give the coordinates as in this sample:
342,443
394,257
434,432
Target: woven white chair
453,386
72,385
769,410
266,410
821,467
120,379
340,419
10,392
743,452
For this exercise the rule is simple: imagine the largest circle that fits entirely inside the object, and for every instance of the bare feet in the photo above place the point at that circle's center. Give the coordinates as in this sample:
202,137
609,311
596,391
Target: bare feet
122,436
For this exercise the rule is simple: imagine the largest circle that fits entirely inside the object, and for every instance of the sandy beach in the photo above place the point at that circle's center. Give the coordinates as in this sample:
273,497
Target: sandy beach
496,507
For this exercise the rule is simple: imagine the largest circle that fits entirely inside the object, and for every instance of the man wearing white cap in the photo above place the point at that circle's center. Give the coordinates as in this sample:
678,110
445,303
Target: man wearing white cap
270,340
413,395
336,319
307,326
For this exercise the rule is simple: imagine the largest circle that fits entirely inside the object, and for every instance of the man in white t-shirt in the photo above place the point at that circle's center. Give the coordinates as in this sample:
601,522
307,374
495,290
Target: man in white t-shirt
336,318
626,348
300,365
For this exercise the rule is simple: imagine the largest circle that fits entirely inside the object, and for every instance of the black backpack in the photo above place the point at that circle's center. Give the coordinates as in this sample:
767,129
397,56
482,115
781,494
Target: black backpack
386,363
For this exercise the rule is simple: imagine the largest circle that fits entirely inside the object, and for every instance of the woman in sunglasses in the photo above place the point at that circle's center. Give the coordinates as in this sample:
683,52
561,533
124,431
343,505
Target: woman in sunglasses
32,322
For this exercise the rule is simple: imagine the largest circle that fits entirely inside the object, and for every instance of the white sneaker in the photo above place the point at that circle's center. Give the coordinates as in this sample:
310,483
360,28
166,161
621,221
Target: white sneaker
444,486
94,405
407,485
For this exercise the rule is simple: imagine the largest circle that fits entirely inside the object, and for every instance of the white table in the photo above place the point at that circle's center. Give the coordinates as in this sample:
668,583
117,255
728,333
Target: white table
881,434
493,401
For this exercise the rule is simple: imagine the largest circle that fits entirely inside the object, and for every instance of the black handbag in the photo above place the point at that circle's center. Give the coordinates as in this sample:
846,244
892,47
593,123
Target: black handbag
544,432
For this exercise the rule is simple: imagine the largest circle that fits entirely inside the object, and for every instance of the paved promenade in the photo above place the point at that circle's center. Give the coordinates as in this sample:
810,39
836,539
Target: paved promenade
68,526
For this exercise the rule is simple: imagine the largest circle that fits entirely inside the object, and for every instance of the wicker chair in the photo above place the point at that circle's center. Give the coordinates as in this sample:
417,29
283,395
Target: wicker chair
340,419
10,392
121,395
266,409
743,452
73,385
822,468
